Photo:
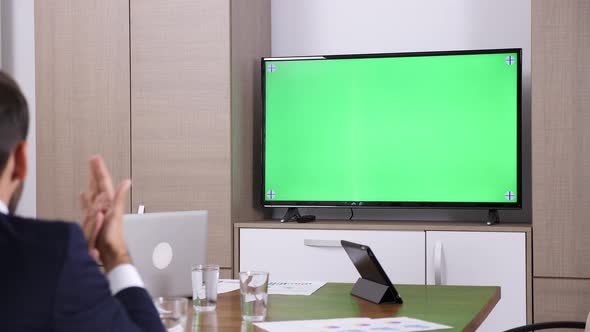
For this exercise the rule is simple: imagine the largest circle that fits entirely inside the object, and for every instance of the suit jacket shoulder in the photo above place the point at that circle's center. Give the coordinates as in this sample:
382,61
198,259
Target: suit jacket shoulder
32,254
59,287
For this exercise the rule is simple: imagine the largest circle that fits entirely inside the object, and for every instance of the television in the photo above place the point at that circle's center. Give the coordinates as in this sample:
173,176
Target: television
403,130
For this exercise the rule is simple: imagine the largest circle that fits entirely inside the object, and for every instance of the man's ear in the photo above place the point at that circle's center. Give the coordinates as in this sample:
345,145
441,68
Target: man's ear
20,161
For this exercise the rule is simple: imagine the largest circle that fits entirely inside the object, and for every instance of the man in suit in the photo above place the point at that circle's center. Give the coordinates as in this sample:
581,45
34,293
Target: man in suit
49,278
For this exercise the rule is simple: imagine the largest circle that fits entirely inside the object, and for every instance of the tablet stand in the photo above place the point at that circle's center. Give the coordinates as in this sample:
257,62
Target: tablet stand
374,292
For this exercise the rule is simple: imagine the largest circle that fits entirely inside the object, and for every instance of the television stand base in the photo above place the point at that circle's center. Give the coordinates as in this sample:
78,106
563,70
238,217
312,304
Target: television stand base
293,213
493,217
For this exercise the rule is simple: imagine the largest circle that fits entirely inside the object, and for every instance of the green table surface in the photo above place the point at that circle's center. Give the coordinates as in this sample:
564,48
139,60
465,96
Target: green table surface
462,307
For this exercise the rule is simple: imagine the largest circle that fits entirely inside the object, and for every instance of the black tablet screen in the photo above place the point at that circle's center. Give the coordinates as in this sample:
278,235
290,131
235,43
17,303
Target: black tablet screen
366,263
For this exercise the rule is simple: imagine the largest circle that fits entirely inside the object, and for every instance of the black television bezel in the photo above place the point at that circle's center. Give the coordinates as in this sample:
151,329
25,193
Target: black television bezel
396,204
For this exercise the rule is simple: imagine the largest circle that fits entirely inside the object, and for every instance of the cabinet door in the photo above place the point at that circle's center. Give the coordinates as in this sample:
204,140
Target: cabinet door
296,254
180,112
561,299
485,259
82,86
560,136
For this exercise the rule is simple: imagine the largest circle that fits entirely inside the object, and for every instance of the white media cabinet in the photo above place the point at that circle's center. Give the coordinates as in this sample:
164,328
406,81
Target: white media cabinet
410,253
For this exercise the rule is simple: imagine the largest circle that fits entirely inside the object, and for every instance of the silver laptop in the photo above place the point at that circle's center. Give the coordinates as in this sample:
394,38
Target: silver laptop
164,246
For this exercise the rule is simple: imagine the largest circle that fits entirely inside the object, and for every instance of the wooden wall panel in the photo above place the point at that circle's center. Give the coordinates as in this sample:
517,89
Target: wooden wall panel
180,101
560,138
250,41
82,74
561,299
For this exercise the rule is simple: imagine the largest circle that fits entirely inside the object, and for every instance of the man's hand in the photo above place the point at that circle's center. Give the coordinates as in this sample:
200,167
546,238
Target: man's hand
93,220
103,221
110,241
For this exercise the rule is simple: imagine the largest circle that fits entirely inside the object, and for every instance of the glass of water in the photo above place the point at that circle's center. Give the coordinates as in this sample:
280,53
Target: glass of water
173,312
253,295
204,280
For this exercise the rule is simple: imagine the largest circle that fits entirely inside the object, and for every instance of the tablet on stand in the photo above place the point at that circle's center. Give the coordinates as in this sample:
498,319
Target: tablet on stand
373,285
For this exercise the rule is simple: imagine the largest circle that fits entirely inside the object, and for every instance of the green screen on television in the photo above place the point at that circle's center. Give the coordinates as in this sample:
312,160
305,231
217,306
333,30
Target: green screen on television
432,129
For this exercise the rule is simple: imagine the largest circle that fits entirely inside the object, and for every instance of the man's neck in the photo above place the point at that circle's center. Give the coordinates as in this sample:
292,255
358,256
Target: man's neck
4,192
3,207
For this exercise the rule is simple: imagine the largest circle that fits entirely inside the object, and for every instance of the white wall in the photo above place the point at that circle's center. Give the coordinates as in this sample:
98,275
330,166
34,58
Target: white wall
320,27
304,27
18,59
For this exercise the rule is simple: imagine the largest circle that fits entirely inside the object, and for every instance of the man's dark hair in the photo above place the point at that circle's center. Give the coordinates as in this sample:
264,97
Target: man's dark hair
14,117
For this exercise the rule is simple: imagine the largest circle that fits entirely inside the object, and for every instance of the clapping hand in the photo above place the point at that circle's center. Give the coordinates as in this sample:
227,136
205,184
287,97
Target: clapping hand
103,208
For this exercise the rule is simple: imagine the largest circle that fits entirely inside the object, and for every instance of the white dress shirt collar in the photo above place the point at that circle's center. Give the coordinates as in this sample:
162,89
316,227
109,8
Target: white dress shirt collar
3,208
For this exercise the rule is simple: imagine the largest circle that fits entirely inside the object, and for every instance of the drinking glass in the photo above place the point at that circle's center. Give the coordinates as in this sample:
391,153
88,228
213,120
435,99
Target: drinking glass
204,280
253,295
173,312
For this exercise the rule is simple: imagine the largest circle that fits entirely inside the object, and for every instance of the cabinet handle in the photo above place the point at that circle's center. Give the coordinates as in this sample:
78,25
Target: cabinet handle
438,263
141,209
321,243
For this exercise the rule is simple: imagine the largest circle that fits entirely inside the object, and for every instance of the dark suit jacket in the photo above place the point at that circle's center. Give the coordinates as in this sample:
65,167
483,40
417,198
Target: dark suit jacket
48,282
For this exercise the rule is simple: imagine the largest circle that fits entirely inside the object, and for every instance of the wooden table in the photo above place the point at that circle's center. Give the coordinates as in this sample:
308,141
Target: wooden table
463,307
